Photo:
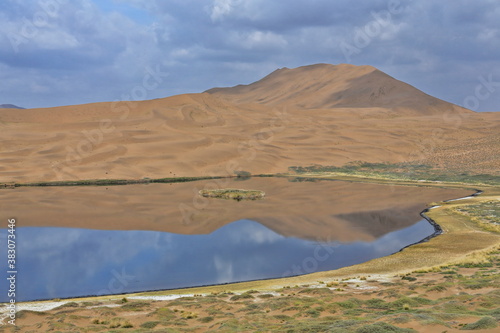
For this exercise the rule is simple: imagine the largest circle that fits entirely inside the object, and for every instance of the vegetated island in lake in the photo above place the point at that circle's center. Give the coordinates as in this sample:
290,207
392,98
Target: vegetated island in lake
231,193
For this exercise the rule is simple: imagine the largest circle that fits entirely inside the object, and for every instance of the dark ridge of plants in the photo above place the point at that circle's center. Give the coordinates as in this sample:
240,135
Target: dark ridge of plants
135,306
240,297
111,182
409,278
475,265
302,180
316,291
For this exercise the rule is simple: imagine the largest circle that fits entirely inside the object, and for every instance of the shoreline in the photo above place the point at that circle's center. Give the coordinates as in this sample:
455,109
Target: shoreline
305,176
437,228
123,182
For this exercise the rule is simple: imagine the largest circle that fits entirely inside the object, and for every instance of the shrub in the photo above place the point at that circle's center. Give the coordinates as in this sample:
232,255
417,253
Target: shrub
165,314
240,297
316,291
243,175
409,278
313,313
383,328
437,288
150,324
206,319
411,302
189,315
283,317
350,303
481,324
377,303
127,325
135,306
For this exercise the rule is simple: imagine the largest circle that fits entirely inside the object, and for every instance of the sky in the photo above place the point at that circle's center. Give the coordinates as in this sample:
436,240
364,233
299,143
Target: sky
65,52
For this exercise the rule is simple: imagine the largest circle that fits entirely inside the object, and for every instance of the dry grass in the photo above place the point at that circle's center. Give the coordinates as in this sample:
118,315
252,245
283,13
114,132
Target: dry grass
486,214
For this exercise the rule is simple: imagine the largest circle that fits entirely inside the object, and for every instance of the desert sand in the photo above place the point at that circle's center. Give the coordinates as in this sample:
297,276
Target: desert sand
319,114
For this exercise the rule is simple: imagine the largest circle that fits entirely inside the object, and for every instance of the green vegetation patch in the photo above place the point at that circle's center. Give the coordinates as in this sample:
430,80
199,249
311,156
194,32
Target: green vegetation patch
234,194
399,171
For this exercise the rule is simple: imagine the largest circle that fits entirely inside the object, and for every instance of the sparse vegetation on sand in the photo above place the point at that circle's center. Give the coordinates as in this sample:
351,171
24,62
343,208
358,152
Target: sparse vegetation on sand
486,214
397,171
234,194
467,299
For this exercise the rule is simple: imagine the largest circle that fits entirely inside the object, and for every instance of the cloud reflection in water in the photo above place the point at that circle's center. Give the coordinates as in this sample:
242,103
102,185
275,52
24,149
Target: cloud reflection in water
66,262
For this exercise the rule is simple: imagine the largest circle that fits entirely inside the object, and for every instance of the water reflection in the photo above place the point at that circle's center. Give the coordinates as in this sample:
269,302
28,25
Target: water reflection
66,262
326,210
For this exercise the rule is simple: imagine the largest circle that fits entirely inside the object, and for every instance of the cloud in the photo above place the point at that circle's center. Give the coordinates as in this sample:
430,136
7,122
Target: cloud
100,49
224,270
259,40
222,8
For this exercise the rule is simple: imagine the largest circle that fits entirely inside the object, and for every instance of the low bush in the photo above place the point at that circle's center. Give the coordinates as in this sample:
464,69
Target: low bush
482,324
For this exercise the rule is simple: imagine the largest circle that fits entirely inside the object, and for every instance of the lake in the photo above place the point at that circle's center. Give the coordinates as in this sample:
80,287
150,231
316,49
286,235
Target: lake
78,241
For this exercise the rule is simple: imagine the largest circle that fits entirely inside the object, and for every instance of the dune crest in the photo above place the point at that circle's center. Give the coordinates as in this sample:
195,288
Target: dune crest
325,86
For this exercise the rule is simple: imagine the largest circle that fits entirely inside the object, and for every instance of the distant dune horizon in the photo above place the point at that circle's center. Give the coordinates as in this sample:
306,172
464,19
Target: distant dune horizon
10,106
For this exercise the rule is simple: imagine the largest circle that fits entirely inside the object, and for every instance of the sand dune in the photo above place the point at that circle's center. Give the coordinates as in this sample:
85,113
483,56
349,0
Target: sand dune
320,114
324,86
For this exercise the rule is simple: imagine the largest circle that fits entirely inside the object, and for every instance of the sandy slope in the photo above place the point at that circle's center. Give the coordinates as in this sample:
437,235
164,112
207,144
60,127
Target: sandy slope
320,114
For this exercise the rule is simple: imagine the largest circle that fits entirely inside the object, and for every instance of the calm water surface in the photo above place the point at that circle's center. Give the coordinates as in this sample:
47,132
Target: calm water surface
67,262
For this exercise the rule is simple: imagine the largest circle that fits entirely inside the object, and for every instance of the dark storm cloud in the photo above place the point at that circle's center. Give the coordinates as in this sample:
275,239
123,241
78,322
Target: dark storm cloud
98,50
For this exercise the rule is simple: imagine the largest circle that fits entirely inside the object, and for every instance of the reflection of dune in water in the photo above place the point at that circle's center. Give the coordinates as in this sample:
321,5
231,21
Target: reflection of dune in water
376,222
323,210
